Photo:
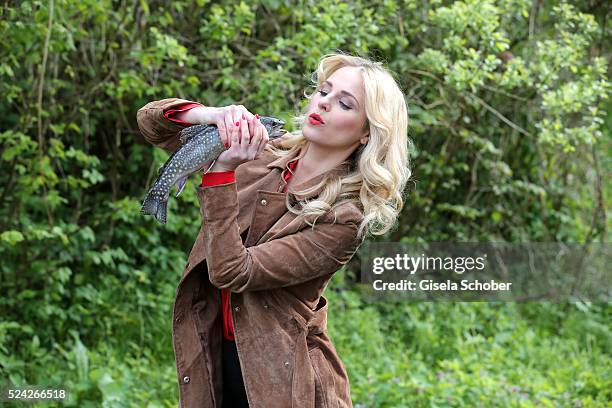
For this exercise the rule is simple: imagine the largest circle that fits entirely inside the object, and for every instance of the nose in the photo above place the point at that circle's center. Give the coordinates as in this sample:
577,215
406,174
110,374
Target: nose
324,103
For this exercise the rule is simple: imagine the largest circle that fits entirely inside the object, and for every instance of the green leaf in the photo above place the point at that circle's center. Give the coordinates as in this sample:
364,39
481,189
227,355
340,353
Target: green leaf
12,237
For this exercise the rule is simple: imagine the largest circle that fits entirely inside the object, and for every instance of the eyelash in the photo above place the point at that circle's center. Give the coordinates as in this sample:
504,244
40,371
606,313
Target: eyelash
346,107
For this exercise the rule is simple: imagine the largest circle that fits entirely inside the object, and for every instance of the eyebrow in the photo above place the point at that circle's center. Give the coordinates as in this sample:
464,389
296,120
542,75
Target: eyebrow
343,92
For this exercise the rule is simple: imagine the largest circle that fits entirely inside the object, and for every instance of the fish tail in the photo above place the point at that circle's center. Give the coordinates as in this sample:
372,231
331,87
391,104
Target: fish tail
162,211
154,205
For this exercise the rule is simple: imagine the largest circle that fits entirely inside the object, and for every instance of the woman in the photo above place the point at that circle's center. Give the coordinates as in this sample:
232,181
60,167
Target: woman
278,220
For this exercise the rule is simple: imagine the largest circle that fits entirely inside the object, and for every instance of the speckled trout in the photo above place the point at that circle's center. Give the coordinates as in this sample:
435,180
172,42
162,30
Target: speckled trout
200,146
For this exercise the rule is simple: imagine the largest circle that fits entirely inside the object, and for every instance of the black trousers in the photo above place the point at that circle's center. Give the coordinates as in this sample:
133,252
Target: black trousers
234,394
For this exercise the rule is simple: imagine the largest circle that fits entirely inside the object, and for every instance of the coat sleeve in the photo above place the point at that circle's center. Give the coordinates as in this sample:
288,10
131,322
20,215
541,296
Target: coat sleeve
287,261
156,128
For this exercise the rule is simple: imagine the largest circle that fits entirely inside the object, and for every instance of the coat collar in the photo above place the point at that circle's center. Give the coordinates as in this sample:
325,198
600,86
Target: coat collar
283,162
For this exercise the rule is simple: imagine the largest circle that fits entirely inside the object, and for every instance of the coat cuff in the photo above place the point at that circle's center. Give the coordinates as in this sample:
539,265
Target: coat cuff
218,177
156,128
170,114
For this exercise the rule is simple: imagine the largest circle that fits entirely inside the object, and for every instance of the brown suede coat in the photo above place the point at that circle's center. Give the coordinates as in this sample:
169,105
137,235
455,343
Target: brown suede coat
276,278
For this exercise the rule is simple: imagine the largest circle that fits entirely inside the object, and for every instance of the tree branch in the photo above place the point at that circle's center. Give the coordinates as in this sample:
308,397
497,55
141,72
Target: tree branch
41,81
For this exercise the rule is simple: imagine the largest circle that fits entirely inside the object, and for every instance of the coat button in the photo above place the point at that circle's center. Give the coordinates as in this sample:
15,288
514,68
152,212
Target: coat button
286,364
266,306
237,308
186,379
264,202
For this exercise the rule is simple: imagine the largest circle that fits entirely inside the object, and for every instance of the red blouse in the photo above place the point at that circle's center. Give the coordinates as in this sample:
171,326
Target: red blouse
215,178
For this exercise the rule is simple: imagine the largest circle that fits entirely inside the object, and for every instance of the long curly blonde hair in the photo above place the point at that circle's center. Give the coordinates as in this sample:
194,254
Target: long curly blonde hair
379,170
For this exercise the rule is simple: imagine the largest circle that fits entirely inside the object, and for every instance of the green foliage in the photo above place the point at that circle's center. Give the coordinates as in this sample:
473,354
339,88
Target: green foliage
472,354
507,108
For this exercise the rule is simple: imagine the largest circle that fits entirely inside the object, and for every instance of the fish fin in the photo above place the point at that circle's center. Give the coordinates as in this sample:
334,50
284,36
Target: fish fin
162,212
153,205
180,185
150,204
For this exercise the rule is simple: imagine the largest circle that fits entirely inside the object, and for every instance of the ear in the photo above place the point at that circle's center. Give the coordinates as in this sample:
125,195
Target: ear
365,139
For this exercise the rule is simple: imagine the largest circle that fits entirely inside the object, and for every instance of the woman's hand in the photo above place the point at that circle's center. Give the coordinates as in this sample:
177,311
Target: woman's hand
247,141
227,119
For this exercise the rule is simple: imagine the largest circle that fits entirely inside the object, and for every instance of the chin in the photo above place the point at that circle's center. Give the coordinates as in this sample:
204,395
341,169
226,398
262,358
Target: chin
315,136
309,135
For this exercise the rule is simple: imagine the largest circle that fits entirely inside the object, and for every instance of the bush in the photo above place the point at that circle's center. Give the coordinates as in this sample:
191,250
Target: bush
507,103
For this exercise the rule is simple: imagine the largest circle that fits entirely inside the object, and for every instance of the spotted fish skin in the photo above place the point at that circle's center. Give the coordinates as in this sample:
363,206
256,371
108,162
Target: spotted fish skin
200,145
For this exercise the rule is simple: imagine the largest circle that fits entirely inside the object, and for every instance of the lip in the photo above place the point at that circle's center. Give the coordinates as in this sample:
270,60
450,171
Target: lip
315,119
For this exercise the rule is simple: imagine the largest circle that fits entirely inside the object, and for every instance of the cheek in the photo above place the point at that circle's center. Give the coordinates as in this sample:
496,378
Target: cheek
347,122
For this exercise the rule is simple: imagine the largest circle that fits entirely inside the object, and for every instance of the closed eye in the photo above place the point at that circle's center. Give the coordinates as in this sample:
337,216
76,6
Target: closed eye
344,106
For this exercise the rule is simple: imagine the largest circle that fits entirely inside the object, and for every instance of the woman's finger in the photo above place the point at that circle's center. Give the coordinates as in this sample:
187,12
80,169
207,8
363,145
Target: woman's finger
235,114
246,112
264,138
230,125
244,132
236,134
253,146
223,132
260,138
249,117
251,124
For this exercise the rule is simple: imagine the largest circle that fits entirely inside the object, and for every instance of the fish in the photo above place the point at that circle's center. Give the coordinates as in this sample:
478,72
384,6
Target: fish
200,146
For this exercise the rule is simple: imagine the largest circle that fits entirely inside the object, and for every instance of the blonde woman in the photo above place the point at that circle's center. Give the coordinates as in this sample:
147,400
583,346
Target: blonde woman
278,220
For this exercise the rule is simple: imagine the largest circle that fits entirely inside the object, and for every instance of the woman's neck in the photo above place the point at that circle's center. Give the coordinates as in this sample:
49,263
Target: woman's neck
318,160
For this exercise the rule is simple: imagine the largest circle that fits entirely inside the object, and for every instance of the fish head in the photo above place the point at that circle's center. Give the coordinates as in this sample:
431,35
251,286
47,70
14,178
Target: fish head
274,126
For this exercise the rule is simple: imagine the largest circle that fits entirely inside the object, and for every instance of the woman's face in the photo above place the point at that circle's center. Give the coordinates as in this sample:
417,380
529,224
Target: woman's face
339,101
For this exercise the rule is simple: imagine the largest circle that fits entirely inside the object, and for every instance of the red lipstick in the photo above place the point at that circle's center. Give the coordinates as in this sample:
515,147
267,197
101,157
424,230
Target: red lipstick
315,119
